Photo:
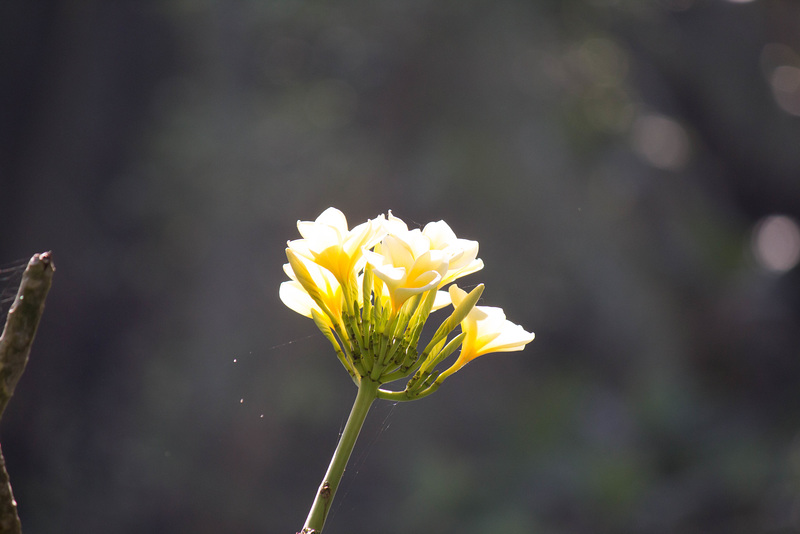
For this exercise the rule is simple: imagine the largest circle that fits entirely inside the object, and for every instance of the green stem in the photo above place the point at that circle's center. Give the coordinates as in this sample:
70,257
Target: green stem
367,392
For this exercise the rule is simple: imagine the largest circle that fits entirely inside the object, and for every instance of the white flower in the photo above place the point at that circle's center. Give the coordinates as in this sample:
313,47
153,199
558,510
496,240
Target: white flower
487,330
461,253
407,265
320,281
329,243
414,261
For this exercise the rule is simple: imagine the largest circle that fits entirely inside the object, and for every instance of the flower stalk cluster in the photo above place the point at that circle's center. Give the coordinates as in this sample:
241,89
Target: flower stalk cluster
370,290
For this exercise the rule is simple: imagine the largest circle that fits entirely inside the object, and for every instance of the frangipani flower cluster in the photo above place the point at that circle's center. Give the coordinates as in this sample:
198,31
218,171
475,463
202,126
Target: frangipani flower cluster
371,289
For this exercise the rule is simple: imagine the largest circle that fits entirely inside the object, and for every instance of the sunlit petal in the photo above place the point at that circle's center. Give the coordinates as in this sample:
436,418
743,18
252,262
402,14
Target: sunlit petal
442,300
295,297
439,233
397,251
486,330
334,218
405,262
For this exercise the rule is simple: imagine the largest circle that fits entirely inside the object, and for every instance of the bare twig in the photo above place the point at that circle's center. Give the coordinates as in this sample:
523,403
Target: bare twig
15,346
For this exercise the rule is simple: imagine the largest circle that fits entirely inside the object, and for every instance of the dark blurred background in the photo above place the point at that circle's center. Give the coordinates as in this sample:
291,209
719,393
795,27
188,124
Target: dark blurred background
631,170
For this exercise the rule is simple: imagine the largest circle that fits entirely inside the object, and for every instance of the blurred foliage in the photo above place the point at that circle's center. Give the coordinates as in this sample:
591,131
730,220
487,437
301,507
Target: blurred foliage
613,158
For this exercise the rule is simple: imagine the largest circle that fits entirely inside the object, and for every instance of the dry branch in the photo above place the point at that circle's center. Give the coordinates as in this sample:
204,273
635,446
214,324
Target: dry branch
15,346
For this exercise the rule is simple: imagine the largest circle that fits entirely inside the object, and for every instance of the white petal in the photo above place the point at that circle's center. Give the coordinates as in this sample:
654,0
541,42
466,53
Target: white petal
395,225
335,218
442,299
512,337
295,297
404,293
300,247
493,319
463,251
417,242
374,258
389,274
397,252
439,233
357,237
319,236
456,294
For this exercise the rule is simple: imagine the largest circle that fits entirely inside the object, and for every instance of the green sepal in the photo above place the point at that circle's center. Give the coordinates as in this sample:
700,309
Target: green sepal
451,346
366,310
347,362
420,317
427,388
421,374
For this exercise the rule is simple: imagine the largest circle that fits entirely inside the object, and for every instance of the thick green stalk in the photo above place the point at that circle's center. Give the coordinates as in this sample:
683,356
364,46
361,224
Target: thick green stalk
367,392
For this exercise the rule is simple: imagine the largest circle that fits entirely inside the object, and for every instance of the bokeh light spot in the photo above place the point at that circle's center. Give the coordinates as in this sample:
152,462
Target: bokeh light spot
785,82
776,243
661,142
